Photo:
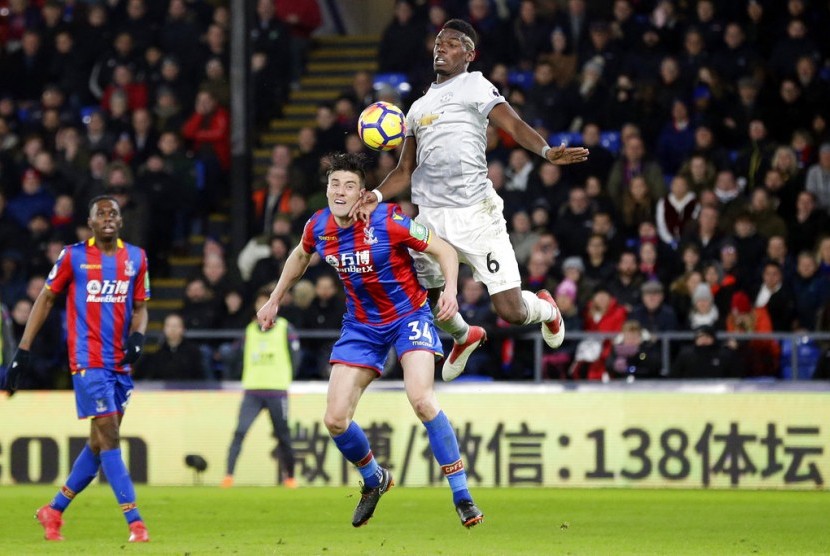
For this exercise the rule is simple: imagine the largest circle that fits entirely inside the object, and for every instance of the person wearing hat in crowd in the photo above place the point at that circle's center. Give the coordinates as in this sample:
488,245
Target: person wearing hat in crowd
573,269
761,356
653,314
704,311
707,357
634,354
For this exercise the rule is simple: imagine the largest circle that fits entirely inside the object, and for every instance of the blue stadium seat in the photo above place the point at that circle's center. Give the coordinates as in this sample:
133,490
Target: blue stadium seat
808,355
397,81
611,141
523,79
566,137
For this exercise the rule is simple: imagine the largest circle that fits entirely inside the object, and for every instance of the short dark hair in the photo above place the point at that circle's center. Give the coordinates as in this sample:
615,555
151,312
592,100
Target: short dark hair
102,198
348,162
464,27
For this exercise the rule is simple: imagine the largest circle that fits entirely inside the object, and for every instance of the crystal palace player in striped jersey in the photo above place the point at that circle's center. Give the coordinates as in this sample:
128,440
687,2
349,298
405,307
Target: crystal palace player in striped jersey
386,307
107,285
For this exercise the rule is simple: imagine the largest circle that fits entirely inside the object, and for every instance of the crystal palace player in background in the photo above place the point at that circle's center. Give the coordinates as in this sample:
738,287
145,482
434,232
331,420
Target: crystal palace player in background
386,307
107,286
443,159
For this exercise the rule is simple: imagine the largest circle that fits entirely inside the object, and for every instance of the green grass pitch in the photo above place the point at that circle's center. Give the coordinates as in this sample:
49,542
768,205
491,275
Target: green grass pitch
538,521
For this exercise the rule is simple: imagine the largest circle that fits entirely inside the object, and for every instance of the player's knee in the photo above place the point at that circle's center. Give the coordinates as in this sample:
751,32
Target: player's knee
336,424
425,407
513,315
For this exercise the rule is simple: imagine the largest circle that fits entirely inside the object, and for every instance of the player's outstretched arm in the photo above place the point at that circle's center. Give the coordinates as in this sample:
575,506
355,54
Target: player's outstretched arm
506,118
394,184
295,266
448,260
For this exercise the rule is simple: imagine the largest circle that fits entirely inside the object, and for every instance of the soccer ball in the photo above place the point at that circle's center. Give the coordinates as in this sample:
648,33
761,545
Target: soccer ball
381,126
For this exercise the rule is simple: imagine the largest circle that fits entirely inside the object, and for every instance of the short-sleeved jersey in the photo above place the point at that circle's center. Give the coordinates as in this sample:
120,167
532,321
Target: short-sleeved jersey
449,124
372,260
100,293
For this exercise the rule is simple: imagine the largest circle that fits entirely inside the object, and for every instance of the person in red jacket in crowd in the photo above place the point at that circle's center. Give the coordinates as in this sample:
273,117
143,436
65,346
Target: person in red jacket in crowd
761,357
603,314
303,17
208,132
122,80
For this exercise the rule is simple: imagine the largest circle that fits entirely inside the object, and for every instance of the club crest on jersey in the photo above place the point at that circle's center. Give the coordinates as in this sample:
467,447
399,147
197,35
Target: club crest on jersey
100,406
333,260
129,268
369,236
446,98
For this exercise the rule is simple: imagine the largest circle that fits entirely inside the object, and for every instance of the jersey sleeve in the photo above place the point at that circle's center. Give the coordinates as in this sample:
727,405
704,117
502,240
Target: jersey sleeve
410,123
307,241
483,94
403,229
142,280
61,273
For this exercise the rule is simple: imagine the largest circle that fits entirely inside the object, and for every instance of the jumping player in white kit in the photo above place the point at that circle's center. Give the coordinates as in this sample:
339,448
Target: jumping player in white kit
443,158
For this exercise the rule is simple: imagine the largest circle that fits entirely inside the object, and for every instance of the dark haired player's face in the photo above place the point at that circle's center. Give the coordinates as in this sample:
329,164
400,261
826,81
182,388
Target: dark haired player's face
343,191
105,220
449,56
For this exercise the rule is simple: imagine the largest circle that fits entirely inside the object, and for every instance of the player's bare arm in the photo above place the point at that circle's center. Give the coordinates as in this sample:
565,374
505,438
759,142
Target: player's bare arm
394,184
140,317
506,118
295,266
448,259
40,310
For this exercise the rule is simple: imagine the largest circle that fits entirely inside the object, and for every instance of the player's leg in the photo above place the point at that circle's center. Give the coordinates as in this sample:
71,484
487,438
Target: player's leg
419,369
488,251
278,410
115,391
248,411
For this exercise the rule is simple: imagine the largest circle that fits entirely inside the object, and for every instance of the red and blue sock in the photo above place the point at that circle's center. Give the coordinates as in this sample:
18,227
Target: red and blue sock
444,446
354,445
121,483
84,470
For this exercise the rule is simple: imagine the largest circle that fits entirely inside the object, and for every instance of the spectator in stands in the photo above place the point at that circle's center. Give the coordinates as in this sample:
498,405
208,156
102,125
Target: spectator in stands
44,371
777,298
818,178
33,200
529,35
574,222
302,17
561,58
179,36
676,211
707,358
538,274
598,264
626,282
636,206
324,313
401,40
632,163
778,253
522,237
811,292
603,314
200,310
703,311
721,284
587,95
208,131
119,183
761,356
677,139
266,268
633,354
547,103
810,223
754,159
273,199
177,357
763,215
653,314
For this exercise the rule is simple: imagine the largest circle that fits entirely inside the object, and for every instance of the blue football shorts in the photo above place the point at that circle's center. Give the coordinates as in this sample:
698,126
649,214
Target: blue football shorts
101,392
367,345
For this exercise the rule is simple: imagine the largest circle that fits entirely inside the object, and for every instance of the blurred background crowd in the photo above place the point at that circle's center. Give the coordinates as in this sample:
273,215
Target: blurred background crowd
704,206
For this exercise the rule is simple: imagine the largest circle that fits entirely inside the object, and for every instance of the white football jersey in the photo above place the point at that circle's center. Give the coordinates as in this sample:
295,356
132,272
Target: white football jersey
449,124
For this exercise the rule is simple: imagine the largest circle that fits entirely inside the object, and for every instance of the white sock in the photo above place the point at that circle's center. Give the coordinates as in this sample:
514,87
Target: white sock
456,327
537,310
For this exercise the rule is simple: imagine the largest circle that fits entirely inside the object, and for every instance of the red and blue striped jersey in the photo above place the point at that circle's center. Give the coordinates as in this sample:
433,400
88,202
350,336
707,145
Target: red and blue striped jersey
100,292
373,261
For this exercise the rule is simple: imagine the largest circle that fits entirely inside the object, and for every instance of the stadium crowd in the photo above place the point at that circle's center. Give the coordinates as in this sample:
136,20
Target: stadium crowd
704,205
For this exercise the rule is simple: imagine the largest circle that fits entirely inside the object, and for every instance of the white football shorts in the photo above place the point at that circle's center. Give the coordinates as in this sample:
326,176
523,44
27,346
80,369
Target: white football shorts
479,235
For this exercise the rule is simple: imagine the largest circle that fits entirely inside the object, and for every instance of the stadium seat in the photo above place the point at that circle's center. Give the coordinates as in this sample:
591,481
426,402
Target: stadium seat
522,79
611,141
808,355
397,81
565,138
